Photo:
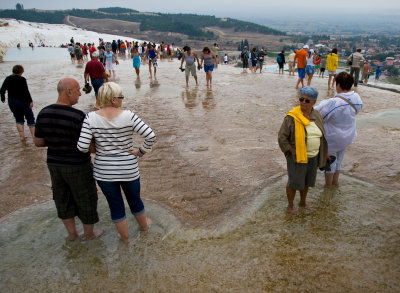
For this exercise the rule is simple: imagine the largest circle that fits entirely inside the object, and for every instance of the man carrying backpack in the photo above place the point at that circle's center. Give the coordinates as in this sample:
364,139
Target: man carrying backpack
281,60
78,53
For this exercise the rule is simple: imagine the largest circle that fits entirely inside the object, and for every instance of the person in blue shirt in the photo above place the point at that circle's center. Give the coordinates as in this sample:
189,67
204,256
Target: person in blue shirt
152,55
378,73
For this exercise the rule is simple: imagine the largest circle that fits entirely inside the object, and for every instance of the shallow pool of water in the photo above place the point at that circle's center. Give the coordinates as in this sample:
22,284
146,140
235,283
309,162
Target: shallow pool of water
348,243
214,186
37,53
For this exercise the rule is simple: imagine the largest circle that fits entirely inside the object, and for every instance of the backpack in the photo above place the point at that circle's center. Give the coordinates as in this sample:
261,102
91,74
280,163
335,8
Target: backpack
245,54
77,50
279,59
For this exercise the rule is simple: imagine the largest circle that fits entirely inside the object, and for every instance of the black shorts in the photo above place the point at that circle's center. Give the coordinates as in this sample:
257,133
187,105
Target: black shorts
322,69
75,192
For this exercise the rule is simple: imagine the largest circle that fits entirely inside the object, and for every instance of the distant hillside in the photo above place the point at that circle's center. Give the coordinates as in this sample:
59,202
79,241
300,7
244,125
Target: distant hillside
192,25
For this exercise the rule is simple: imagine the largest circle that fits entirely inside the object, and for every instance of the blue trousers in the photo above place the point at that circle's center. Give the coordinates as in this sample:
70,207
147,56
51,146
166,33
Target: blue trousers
113,194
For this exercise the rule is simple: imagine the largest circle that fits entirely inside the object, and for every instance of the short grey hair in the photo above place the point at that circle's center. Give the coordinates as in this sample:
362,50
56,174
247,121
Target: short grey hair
310,91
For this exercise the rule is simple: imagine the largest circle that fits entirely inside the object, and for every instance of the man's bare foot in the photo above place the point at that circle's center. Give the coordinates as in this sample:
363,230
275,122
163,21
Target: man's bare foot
292,211
149,221
96,234
307,206
72,237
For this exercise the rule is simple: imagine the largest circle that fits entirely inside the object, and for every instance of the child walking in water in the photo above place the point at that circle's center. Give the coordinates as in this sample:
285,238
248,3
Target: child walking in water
152,54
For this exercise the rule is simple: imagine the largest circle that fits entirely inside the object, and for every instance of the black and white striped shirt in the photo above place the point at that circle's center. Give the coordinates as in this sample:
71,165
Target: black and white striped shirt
113,140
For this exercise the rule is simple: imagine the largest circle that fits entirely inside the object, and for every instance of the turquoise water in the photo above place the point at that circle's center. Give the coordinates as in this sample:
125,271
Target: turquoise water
39,53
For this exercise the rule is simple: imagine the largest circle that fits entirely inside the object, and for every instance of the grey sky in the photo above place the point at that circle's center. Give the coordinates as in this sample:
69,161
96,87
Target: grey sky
226,8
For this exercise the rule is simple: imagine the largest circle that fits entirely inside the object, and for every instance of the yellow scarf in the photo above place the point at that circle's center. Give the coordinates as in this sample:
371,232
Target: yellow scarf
300,138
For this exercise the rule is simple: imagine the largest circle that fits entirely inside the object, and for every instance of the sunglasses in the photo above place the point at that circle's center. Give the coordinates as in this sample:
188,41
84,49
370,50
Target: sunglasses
120,97
306,100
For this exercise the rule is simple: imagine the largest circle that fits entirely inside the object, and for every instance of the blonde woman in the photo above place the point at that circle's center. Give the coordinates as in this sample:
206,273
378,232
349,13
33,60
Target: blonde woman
116,161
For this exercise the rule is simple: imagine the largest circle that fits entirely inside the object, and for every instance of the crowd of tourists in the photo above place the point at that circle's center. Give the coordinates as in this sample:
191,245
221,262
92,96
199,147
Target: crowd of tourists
311,136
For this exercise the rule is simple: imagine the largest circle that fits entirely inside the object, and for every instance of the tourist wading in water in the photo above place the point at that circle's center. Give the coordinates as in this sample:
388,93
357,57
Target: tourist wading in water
152,55
95,70
136,61
116,161
189,58
210,61
302,140
71,172
19,100
339,114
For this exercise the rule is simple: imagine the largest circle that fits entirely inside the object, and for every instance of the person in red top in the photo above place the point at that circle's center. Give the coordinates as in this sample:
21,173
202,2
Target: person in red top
85,52
92,49
301,64
95,70
317,64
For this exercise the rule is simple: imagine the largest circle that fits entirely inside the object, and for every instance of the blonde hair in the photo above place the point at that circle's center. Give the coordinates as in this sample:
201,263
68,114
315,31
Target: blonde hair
108,91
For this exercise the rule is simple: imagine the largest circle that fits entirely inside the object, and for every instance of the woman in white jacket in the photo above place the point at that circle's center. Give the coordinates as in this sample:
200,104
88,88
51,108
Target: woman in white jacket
339,115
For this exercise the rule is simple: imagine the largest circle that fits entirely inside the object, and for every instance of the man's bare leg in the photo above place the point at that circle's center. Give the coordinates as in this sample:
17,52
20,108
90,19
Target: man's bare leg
71,228
90,233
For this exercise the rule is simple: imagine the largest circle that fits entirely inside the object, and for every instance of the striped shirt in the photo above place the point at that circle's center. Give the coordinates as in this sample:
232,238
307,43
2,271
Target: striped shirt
60,126
113,140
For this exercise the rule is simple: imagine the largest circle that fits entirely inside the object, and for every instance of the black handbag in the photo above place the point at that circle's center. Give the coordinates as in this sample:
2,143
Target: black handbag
351,60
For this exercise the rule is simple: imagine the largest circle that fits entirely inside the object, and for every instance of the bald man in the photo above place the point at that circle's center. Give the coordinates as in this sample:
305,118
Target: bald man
58,127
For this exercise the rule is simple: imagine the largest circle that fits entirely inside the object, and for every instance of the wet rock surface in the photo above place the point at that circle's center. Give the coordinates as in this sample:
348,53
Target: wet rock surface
214,186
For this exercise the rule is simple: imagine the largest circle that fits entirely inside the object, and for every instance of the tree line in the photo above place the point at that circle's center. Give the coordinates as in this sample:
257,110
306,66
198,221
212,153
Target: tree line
192,25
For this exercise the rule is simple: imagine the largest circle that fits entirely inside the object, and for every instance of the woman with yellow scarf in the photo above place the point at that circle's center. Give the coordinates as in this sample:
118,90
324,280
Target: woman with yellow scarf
302,140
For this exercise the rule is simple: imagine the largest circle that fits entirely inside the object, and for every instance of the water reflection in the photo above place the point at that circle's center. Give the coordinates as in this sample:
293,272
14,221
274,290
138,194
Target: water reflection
189,97
154,83
138,83
208,101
